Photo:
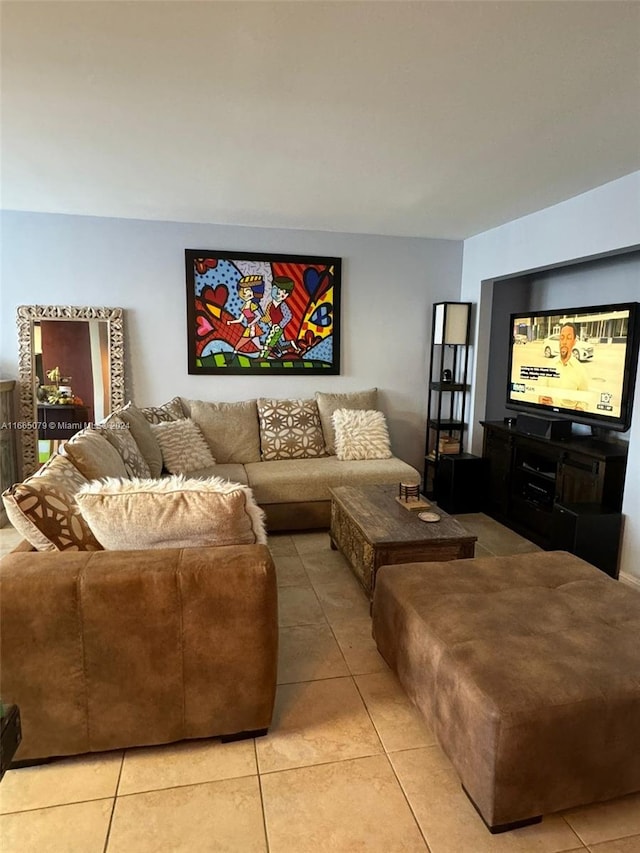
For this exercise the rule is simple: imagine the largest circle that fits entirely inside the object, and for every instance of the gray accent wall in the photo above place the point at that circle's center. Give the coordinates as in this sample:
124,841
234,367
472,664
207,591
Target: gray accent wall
599,222
388,287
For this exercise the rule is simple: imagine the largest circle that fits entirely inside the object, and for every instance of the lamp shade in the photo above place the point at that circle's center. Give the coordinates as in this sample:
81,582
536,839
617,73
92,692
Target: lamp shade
451,322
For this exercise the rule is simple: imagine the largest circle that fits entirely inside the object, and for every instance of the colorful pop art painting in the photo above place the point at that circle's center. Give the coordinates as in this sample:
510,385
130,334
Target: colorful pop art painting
259,313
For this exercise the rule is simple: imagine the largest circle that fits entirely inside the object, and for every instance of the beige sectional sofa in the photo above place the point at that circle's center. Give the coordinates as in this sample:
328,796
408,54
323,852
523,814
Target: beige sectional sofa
293,492
283,450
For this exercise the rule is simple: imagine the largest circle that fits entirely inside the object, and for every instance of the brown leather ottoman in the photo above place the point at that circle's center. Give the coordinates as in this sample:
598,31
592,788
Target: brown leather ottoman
527,668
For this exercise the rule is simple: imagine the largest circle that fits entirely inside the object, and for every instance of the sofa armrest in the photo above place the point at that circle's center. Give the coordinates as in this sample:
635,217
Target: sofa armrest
108,649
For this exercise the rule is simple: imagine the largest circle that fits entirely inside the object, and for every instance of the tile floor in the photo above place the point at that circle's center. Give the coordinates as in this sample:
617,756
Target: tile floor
347,766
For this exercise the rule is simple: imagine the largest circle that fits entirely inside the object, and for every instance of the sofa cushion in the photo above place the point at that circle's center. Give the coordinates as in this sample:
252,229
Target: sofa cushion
361,434
328,403
43,509
183,446
174,512
230,429
93,455
232,471
171,411
295,480
140,429
116,431
290,429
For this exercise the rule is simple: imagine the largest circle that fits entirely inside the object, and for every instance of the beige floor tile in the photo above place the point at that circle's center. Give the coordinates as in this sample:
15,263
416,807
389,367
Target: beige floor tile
75,828
342,599
606,821
344,807
225,815
620,845
69,780
493,536
449,821
308,653
358,646
187,763
311,542
317,722
481,551
326,566
281,544
290,571
398,723
299,605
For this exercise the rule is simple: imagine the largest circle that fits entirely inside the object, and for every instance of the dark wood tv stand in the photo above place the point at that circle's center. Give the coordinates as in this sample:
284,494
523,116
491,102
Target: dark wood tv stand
559,494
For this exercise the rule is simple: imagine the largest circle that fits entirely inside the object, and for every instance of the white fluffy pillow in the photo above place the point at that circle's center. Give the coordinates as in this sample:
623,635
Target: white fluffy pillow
360,434
183,446
175,512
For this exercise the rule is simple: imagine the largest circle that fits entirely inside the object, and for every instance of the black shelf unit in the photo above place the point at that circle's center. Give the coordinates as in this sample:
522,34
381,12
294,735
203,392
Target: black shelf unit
451,327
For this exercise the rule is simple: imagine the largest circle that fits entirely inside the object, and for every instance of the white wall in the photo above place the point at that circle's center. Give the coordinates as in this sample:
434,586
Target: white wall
602,220
388,286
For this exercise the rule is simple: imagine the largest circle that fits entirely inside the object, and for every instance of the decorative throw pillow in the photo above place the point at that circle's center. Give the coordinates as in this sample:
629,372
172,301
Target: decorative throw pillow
171,411
290,429
175,512
230,429
116,431
43,509
183,446
361,435
93,455
140,429
328,403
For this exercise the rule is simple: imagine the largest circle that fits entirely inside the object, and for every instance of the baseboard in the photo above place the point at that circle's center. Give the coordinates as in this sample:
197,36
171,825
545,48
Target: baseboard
631,580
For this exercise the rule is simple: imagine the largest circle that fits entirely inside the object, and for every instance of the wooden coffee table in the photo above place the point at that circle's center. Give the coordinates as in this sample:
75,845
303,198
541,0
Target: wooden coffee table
371,529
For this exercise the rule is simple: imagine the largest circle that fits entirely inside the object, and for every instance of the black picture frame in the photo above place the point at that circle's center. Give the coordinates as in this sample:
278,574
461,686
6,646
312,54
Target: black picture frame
256,313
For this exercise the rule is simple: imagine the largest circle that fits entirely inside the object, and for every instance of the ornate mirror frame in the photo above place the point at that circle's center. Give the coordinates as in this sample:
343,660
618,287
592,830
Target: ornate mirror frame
26,316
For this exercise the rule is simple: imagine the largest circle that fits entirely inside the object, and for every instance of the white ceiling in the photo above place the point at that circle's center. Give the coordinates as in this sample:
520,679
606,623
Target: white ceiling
438,119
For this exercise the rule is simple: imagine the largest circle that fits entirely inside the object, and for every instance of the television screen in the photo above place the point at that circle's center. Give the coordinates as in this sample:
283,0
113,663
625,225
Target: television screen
578,363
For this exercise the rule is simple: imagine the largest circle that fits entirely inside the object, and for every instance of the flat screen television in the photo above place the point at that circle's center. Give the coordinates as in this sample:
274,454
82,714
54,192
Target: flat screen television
576,363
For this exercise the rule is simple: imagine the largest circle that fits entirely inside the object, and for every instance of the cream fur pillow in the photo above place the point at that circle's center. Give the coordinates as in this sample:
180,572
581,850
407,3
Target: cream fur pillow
183,446
360,434
175,512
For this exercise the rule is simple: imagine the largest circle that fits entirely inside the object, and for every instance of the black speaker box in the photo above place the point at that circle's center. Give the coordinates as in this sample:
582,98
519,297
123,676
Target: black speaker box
589,531
540,426
460,483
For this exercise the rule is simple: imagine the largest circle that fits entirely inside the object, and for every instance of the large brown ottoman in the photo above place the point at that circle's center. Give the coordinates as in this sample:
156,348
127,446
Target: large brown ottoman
527,668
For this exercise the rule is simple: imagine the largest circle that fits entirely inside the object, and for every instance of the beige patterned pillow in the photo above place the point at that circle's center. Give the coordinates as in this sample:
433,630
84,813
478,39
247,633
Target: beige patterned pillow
43,509
171,411
361,435
174,512
116,431
183,446
140,429
290,429
93,456
328,403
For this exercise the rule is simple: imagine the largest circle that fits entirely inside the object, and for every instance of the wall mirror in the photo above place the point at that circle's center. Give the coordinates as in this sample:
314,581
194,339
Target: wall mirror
71,367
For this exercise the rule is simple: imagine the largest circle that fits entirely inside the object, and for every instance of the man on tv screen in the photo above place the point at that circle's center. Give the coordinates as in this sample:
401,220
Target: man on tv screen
570,374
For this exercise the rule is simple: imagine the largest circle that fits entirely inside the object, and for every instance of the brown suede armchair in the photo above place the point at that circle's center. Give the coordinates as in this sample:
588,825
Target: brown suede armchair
111,649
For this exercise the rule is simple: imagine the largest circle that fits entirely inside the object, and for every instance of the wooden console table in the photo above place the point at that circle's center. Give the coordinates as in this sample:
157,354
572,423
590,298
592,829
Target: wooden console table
8,441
